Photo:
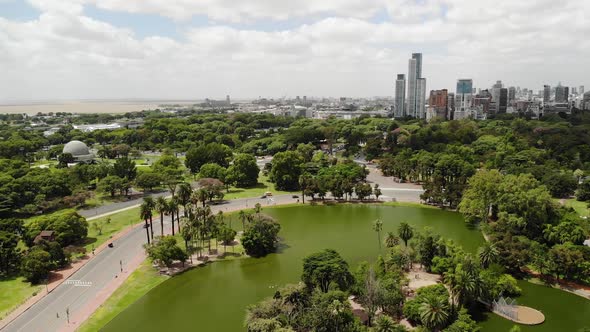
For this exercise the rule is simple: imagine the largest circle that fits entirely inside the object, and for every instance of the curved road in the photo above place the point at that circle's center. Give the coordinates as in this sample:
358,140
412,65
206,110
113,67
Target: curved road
49,314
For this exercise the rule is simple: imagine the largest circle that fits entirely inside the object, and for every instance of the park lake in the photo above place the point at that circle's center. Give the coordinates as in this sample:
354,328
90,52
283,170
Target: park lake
214,297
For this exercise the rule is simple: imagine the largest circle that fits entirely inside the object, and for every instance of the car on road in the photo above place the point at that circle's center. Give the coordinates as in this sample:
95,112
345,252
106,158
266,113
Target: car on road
110,245
294,196
263,197
146,225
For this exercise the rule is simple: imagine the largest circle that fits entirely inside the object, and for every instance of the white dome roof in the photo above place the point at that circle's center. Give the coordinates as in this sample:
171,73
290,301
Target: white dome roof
76,148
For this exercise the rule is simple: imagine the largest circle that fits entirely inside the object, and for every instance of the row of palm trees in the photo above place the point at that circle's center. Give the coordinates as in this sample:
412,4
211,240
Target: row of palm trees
194,220
183,197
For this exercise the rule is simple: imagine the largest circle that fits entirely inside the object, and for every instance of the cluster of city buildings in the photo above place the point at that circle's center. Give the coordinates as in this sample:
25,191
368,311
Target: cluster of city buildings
468,102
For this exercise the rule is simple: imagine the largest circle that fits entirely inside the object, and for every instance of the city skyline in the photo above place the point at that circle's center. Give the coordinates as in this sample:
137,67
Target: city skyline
86,49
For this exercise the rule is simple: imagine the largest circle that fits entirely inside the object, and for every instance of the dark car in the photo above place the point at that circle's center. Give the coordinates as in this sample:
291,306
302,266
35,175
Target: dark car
294,196
146,225
110,245
263,197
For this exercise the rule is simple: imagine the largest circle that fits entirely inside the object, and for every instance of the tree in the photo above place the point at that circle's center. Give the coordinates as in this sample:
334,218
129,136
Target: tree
213,171
405,232
377,191
386,324
148,181
323,268
560,184
145,213
68,227
211,153
226,235
36,265
64,159
362,190
391,240
378,227
111,184
481,195
9,252
260,237
166,251
286,170
434,313
125,168
161,206
244,171
488,254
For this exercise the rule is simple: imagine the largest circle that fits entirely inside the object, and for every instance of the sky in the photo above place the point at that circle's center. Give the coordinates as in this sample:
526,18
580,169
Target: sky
194,49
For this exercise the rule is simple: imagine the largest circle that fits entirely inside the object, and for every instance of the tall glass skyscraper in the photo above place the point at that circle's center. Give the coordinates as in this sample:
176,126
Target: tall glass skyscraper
415,107
400,96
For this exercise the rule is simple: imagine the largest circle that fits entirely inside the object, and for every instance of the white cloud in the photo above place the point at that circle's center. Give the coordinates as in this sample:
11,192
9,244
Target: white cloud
64,54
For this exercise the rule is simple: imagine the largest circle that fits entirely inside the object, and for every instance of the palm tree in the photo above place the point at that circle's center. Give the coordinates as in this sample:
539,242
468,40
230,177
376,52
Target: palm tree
434,312
172,208
202,196
177,204
405,232
162,208
378,227
464,283
145,214
242,216
391,240
385,324
488,254
151,205
257,208
184,193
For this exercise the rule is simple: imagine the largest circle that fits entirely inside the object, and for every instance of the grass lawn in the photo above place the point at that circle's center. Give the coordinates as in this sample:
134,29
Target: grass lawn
117,222
580,207
13,292
263,186
138,284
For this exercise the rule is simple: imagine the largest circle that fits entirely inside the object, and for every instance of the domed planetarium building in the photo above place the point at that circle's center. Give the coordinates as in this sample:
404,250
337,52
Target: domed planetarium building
79,151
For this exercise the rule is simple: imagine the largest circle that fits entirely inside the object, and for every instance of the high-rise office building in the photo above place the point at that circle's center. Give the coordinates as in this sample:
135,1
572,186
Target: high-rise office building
581,90
561,94
511,95
498,85
499,100
546,94
227,100
438,103
464,94
400,96
416,99
421,98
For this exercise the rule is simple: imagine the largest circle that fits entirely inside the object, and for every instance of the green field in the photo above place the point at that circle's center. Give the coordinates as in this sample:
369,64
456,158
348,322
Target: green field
580,207
263,186
117,222
13,292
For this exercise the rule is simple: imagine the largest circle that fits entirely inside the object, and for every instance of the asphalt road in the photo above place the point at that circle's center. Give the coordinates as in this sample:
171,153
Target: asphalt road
118,206
87,282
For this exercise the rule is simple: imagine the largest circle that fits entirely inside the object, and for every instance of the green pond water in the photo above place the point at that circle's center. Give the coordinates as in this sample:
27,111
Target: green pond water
563,311
214,297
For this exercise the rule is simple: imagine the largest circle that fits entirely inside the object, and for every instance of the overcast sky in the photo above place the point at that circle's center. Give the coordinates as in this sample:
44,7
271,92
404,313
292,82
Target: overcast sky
192,49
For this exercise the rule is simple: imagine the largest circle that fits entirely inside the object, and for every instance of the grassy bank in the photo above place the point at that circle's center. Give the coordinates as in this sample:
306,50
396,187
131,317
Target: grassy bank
580,207
13,292
139,283
262,187
111,225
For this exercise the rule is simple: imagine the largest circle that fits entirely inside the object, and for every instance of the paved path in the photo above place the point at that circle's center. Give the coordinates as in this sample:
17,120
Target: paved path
97,277
116,207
